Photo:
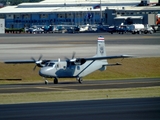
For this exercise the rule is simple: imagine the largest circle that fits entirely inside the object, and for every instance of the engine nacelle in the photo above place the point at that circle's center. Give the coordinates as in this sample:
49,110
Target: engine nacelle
79,61
40,65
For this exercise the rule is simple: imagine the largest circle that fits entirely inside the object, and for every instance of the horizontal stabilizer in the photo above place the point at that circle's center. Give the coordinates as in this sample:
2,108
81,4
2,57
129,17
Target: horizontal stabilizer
114,64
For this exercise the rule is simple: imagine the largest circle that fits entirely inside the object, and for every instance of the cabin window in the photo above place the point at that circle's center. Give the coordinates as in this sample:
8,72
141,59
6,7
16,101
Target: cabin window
57,65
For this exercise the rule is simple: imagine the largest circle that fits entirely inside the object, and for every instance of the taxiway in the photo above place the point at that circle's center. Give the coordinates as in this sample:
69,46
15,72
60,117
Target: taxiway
113,109
87,85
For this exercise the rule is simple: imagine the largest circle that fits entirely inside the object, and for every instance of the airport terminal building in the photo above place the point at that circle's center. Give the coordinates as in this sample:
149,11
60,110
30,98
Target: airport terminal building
77,13
132,15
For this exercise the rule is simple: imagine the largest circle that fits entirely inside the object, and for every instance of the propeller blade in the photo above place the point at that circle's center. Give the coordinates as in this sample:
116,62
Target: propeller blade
37,62
33,59
66,58
73,55
72,59
40,57
34,67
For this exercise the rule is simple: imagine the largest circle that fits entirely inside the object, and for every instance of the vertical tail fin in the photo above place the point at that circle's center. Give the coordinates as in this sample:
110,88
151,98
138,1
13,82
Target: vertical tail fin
101,51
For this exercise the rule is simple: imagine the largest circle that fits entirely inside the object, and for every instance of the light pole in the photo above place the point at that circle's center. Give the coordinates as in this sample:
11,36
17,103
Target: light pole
100,12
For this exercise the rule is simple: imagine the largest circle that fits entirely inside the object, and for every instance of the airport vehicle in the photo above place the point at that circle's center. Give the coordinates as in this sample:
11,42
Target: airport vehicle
140,28
35,29
123,29
74,67
112,29
101,28
73,29
49,28
148,29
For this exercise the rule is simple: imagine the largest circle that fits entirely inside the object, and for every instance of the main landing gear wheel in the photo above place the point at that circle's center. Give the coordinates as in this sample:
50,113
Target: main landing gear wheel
55,81
80,80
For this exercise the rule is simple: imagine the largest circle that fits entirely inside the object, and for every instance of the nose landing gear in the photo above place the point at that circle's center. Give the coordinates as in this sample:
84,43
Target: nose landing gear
55,80
45,80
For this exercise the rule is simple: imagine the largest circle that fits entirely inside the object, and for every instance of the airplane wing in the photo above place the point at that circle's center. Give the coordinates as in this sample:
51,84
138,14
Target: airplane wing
25,61
19,61
83,60
39,63
109,57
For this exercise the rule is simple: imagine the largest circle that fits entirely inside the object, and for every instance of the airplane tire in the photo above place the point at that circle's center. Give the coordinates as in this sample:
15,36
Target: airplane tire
55,81
80,80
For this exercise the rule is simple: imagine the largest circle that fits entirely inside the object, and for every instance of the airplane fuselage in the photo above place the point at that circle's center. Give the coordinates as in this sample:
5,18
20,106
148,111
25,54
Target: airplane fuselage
69,70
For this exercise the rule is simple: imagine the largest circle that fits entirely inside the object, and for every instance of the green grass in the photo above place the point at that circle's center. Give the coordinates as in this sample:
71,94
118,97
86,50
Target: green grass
79,95
131,68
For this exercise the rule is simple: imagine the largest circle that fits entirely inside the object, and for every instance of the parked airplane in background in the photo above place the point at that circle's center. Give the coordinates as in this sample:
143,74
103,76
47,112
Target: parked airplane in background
84,28
74,67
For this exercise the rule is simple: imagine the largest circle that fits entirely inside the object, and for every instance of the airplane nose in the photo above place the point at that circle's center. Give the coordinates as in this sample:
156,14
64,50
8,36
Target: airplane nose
42,72
46,72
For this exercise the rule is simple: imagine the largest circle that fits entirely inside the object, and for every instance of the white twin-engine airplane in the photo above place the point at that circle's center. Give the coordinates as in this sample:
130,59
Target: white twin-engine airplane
75,67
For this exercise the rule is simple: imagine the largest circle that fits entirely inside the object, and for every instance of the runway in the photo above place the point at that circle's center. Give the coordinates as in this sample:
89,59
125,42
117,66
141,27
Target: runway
54,46
113,109
72,86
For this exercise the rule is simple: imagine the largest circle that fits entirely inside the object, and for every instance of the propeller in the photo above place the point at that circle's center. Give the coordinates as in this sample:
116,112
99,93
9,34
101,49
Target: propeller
72,59
37,62
77,61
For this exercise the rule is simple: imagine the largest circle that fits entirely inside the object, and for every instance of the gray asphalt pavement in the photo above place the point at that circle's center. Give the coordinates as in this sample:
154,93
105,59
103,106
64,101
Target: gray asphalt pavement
54,46
81,38
87,85
113,109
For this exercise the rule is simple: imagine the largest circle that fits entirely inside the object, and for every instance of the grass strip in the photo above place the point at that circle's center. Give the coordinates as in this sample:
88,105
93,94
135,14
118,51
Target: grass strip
55,96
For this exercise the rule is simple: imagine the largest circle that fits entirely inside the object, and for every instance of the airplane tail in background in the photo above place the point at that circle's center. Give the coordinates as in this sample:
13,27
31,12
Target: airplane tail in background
101,48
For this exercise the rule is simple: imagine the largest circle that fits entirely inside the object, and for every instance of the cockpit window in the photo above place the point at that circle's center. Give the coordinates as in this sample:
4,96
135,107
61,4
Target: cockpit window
51,64
46,64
